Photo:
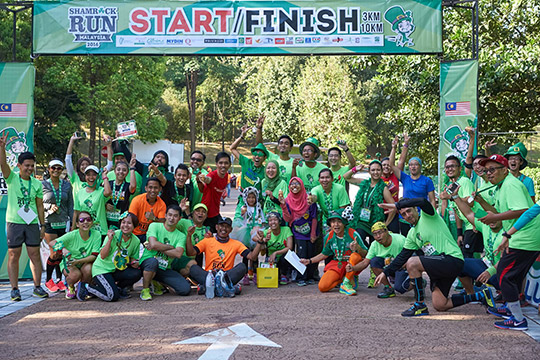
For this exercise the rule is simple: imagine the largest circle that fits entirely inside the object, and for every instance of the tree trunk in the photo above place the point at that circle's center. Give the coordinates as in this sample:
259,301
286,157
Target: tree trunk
92,116
191,89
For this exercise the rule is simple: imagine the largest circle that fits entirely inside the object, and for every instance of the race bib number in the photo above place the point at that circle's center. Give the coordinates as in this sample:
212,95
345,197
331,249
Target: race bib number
28,215
428,249
162,263
451,215
58,225
113,215
365,214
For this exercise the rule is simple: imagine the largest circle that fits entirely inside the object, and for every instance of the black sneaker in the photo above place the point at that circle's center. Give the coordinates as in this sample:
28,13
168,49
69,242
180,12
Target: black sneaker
82,291
488,299
16,295
201,290
512,324
124,293
501,312
387,292
418,309
39,292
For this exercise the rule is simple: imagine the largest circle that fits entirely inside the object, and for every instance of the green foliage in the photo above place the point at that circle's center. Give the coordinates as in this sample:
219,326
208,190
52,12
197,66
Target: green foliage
534,174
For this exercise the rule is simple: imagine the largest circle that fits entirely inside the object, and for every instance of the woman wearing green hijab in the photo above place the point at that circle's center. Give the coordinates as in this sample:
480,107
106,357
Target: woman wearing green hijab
272,185
371,193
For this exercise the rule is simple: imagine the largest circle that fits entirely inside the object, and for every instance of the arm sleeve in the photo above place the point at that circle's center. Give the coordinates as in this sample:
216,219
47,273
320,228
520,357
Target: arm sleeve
423,203
398,262
527,216
69,165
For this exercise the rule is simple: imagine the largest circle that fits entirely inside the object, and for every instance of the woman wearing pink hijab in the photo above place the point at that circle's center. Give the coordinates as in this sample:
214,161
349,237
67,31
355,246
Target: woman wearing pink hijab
302,219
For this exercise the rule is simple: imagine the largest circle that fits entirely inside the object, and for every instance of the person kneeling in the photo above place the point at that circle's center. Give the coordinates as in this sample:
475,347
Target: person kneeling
164,243
219,253
347,247
116,268
381,252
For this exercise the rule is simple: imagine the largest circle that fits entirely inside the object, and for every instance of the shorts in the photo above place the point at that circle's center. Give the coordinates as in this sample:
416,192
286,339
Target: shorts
472,242
442,271
180,263
19,234
50,230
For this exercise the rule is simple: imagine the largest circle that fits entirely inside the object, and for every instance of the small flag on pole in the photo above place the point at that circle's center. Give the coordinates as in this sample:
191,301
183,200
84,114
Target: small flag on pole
13,110
457,108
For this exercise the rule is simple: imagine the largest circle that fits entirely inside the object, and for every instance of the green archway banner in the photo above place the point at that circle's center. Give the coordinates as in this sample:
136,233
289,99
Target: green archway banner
237,27
17,82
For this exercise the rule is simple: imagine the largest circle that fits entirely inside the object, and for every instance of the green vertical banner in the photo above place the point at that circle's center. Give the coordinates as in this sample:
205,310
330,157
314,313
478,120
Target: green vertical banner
17,82
458,108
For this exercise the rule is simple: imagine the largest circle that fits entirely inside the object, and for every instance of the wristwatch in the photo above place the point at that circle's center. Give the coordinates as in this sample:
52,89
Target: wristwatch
505,234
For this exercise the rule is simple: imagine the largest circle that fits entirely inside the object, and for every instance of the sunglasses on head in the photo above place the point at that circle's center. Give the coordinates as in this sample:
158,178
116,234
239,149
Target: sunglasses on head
85,219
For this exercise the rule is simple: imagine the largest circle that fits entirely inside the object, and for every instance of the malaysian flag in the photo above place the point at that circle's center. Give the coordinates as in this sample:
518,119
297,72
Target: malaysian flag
13,110
457,108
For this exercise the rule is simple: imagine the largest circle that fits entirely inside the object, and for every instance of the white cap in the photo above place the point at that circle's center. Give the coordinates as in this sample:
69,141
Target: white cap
56,162
92,167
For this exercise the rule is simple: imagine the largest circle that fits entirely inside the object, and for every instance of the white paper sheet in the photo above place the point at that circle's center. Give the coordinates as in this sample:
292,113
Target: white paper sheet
294,260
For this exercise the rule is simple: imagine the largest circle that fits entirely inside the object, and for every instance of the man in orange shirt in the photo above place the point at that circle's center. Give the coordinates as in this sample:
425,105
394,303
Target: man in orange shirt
219,252
148,207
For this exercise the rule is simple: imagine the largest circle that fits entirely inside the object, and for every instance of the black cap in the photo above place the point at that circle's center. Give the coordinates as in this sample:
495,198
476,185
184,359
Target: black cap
225,220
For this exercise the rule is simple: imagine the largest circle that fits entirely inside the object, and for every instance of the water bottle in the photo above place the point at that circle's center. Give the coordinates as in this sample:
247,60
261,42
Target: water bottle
210,285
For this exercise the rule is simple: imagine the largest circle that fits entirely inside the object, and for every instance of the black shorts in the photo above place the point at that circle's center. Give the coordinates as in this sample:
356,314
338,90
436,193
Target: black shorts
442,271
472,242
19,234
50,230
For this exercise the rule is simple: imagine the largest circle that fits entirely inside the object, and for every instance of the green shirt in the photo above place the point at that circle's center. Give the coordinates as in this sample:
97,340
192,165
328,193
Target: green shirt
268,204
338,175
251,175
197,194
76,183
511,194
94,203
491,243
16,199
432,236
78,247
112,176
278,242
378,250
128,250
285,166
339,247
336,199
310,176
174,238
465,190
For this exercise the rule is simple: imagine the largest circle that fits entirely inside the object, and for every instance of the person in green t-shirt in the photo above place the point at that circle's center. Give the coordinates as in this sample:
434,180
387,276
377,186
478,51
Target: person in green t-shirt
24,209
381,252
519,248
80,248
196,163
279,240
273,185
442,259
334,159
284,147
116,268
252,169
330,195
92,198
308,168
164,243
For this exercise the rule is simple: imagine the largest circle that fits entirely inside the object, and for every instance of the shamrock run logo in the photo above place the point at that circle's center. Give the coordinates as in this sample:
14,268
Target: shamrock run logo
15,144
402,24
92,25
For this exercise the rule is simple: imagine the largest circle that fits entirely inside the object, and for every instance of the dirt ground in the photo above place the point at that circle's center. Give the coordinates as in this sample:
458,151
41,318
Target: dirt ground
306,323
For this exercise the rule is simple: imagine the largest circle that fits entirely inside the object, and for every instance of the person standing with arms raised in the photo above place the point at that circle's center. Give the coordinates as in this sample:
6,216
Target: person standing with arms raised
284,147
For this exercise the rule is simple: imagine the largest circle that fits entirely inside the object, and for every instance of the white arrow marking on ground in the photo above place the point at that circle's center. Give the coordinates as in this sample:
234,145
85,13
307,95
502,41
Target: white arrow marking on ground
225,341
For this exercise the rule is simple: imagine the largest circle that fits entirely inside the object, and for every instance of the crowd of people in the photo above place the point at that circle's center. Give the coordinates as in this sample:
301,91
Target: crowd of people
108,228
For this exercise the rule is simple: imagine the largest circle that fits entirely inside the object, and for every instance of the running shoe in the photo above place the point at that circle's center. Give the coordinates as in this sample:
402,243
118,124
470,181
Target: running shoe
301,283
220,292
145,294
124,293
61,286
71,293
227,285
82,291
387,292
372,278
346,288
254,279
39,292
418,309
488,299
310,281
245,280
157,288
501,312
512,324
201,290
283,280
51,286
237,289
16,295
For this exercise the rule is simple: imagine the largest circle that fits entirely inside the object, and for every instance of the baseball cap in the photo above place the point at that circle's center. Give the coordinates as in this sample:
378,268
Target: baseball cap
200,205
225,220
91,167
56,162
495,157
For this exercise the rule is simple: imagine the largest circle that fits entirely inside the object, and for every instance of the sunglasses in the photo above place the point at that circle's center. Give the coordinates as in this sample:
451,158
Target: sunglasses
57,168
258,153
493,169
196,159
85,219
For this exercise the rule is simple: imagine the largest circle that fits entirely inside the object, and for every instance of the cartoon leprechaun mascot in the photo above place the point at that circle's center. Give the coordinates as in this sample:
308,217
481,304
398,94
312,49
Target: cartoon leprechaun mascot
402,24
